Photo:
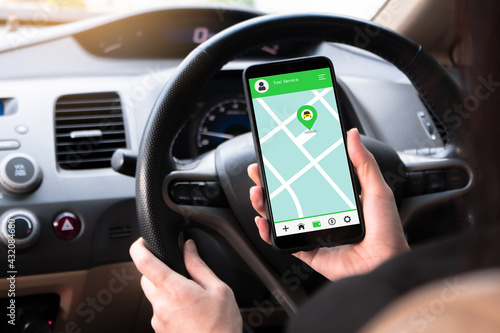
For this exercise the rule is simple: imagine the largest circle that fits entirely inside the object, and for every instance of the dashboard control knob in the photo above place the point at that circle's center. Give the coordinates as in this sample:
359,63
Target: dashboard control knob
22,225
19,174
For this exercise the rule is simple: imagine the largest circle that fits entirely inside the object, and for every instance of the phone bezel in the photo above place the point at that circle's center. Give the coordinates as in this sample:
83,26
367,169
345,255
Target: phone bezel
312,239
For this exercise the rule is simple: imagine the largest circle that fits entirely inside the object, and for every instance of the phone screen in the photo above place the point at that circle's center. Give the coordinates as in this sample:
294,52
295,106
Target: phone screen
303,155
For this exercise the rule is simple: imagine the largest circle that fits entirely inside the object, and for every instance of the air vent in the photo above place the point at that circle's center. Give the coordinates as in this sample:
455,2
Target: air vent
89,128
120,232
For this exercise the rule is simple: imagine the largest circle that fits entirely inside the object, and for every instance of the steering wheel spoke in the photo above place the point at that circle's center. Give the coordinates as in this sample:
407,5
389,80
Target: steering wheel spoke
193,191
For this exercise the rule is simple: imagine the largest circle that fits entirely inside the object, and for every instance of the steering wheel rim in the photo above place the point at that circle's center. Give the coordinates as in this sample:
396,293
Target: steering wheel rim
160,226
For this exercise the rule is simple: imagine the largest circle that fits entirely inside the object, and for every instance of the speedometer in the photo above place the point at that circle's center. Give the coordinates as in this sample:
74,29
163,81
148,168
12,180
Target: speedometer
221,122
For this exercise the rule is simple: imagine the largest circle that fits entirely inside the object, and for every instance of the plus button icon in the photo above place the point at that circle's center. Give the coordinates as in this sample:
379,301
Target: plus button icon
285,228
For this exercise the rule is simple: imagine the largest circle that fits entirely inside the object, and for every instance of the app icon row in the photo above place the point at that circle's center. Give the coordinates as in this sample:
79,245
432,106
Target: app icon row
317,223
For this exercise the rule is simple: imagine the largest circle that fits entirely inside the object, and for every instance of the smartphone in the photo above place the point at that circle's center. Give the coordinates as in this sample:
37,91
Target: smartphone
300,141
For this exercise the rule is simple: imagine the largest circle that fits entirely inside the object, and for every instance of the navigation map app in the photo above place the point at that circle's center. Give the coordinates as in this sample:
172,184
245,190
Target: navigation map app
303,152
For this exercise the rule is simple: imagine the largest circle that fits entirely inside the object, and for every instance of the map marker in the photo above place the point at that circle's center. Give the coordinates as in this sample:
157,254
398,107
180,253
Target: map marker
307,115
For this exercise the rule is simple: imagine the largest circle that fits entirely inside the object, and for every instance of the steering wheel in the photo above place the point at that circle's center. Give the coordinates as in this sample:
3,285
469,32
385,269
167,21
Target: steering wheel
219,178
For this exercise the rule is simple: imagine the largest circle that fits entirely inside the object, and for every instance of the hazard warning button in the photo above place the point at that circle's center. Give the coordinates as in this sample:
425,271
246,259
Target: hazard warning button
67,226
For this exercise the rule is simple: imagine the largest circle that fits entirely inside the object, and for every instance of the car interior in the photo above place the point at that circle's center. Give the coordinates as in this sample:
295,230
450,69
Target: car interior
135,123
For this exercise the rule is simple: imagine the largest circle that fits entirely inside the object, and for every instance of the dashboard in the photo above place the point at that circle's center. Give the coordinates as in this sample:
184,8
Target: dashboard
71,95
168,34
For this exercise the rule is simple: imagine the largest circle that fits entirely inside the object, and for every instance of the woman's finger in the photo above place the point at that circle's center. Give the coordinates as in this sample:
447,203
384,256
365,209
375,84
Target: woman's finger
263,226
152,267
253,173
257,199
196,267
149,288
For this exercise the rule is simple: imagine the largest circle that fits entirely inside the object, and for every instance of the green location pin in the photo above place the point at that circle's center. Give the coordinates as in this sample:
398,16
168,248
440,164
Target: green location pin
307,115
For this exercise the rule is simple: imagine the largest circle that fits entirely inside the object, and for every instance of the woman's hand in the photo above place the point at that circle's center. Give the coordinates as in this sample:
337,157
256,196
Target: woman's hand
203,304
384,234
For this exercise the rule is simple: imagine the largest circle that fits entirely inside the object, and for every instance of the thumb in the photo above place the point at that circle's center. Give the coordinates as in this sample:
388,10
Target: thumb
196,267
366,166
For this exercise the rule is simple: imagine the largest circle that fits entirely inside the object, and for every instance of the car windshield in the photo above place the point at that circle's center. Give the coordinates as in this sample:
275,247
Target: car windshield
59,11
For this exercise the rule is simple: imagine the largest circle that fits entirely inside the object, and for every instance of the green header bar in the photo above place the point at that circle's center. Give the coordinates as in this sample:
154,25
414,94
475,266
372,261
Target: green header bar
290,82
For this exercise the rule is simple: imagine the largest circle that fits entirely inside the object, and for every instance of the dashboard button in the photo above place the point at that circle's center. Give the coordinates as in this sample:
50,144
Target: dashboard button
21,129
9,144
20,170
19,174
181,193
198,194
67,226
435,181
417,183
456,178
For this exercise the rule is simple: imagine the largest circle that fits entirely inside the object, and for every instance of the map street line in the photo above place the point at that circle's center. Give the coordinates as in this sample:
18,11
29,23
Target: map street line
305,136
288,188
292,117
327,106
318,95
335,187
306,168
306,154
274,131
